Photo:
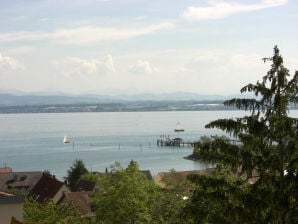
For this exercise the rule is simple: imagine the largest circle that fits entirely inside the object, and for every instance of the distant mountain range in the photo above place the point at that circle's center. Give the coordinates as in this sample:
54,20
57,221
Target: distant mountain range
24,99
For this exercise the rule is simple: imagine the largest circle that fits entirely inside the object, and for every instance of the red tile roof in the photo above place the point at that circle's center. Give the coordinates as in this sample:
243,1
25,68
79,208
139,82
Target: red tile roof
5,170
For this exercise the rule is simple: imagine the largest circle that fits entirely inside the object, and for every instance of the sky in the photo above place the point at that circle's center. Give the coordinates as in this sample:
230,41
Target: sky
143,46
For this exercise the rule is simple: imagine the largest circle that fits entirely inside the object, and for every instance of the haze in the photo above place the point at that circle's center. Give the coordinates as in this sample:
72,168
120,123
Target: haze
142,46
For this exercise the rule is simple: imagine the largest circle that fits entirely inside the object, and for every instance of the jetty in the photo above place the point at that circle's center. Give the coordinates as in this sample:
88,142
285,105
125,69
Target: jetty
174,142
165,140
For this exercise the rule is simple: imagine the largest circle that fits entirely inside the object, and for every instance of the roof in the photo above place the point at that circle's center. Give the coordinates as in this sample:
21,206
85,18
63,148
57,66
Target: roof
19,179
85,185
6,198
178,176
5,169
80,200
46,188
147,174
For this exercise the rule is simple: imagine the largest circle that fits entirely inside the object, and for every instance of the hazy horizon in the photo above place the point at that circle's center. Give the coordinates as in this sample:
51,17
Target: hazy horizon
208,47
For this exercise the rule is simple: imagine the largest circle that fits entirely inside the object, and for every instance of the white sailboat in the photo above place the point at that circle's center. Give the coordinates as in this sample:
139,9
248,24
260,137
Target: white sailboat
178,127
65,140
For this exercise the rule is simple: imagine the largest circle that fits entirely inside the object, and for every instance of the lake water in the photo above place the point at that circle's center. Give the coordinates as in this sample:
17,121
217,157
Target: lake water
31,142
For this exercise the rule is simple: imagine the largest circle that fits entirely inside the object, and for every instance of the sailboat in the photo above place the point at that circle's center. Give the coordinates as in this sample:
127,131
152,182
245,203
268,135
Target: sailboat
65,140
178,127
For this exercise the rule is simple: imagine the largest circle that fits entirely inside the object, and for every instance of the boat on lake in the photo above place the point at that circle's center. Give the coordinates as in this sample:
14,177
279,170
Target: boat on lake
65,140
178,127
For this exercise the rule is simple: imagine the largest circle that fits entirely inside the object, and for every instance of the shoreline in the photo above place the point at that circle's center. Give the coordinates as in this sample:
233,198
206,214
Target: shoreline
192,157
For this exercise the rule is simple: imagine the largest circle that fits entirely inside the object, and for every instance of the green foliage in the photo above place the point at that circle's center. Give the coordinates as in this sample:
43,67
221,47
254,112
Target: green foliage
266,146
50,213
172,199
89,177
127,196
124,196
218,199
75,172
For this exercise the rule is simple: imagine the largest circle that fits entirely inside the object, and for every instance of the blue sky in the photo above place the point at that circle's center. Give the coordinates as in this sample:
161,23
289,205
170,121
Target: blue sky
143,46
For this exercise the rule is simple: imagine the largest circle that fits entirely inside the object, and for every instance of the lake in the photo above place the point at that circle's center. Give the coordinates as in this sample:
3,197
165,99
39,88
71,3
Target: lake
34,142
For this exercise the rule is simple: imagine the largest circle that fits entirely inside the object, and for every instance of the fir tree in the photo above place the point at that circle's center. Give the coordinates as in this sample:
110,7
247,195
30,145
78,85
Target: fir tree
256,174
76,171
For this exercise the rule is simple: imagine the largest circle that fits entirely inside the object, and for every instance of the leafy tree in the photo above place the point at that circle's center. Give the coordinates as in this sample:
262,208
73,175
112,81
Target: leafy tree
89,177
125,196
50,213
257,173
77,170
172,199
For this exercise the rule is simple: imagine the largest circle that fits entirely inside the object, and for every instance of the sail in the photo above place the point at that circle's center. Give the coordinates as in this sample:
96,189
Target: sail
178,127
65,140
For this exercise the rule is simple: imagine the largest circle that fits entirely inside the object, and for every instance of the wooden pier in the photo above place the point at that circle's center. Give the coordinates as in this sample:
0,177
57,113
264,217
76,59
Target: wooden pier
175,142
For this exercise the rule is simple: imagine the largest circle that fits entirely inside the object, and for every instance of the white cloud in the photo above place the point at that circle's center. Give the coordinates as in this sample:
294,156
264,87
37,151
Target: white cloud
219,61
85,34
73,66
9,63
20,50
24,36
222,9
92,34
291,64
224,72
142,67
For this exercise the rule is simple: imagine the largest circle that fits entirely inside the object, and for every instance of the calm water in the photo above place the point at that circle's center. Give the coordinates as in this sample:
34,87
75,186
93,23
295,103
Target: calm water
34,141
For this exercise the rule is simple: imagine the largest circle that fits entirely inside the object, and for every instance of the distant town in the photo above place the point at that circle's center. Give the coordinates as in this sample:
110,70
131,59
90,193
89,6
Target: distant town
117,107
10,103
13,103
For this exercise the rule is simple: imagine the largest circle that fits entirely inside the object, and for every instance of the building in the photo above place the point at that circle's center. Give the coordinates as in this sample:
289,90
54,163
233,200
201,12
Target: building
80,201
85,185
167,179
19,182
48,188
11,206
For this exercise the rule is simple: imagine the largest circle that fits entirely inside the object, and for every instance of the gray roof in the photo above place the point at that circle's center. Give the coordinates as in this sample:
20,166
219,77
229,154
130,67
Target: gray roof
10,198
19,179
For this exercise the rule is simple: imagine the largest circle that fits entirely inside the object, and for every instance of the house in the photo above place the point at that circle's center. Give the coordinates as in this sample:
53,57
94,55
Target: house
80,201
48,188
85,185
147,174
19,182
177,177
10,206
5,169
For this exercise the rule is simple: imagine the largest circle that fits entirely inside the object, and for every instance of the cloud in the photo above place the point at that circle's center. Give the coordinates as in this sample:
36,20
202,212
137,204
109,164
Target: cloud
24,36
20,50
222,9
220,62
142,67
291,64
219,71
85,34
74,66
9,63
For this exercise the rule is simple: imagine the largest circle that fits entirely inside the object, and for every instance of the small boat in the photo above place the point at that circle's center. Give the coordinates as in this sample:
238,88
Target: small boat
65,140
178,128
